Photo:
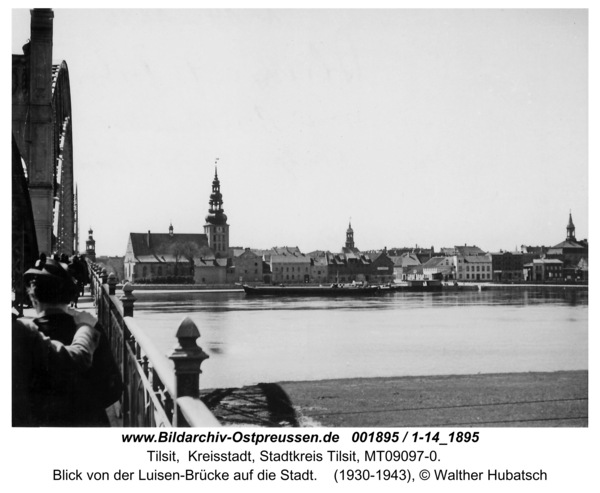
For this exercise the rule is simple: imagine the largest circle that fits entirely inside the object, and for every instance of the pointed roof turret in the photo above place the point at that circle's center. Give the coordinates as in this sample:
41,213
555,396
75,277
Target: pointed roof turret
350,235
216,213
571,229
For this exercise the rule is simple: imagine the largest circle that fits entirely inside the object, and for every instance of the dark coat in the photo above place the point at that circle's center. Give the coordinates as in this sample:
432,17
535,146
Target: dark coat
67,399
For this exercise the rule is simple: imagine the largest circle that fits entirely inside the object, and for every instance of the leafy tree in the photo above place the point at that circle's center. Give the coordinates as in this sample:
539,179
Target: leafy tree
187,250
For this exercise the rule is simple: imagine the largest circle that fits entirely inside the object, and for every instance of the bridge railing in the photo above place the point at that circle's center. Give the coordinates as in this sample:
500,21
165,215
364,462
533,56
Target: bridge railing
160,391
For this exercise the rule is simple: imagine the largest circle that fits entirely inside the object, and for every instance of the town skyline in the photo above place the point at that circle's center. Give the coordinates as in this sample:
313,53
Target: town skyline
436,128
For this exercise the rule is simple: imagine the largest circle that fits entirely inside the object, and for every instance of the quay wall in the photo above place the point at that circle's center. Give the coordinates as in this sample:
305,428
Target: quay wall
185,287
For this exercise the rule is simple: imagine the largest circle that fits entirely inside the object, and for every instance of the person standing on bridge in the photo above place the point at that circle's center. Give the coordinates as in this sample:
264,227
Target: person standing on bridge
74,400
35,357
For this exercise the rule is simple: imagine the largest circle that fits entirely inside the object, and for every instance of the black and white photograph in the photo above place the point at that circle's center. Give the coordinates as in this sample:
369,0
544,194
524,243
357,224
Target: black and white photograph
300,218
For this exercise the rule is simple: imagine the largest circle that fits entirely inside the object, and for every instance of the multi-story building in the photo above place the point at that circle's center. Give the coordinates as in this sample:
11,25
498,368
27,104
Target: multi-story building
544,269
507,266
248,267
473,267
439,268
422,254
571,252
403,263
352,265
381,269
290,269
213,271
319,267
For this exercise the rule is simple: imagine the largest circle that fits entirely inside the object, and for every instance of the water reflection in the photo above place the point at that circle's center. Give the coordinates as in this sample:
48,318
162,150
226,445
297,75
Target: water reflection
224,302
274,339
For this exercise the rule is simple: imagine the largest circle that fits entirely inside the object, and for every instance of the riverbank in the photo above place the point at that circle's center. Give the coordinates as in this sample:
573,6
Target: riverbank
449,286
186,288
552,399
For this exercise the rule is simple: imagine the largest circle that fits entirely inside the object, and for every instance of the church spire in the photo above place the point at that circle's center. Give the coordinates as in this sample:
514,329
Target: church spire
216,227
350,235
571,229
216,203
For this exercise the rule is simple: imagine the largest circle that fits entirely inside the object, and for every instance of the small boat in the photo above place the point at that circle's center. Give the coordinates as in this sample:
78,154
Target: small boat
332,290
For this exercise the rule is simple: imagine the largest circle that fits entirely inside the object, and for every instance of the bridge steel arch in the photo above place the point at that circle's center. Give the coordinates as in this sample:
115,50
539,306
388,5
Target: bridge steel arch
64,220
42,125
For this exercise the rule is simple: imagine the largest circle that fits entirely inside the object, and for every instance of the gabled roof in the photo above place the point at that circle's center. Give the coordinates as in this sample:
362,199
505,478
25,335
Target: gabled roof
352,251
566,244
469,250
245,252
536,250
406,259
435,262
286,250
448,251
319,261
161,247
474,259
290,259
381,258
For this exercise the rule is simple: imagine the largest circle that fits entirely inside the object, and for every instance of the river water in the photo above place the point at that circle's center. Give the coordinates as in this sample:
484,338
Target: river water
268,339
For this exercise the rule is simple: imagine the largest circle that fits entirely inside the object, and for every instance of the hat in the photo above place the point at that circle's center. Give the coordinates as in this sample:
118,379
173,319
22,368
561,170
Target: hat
51,270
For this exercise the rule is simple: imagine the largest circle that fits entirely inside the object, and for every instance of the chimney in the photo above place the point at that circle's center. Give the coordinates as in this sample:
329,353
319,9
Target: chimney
148,239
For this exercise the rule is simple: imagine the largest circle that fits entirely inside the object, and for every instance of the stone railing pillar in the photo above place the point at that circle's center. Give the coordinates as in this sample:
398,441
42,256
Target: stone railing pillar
112,283
188,357
127,300
104,276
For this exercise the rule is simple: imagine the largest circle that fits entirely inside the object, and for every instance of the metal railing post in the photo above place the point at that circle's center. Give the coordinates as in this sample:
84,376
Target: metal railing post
112,283
127,300
188,357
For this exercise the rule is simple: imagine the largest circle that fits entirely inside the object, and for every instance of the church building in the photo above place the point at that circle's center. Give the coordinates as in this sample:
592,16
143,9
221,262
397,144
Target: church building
170,257
573,254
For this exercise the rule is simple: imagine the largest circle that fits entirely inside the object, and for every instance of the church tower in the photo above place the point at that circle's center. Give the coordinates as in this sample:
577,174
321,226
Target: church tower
571,229
216,227
349,236
90,246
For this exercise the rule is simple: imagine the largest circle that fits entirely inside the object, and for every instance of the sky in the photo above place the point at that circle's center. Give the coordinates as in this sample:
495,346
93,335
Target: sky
425,127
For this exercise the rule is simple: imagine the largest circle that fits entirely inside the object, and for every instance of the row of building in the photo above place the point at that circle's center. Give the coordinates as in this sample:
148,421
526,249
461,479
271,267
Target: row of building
209,259
566,261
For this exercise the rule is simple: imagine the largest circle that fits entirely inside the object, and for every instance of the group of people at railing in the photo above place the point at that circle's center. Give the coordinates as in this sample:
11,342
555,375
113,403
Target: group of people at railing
64,373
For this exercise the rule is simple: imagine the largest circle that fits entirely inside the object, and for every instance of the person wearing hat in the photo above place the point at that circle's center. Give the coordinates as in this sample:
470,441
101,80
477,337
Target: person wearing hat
69,398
